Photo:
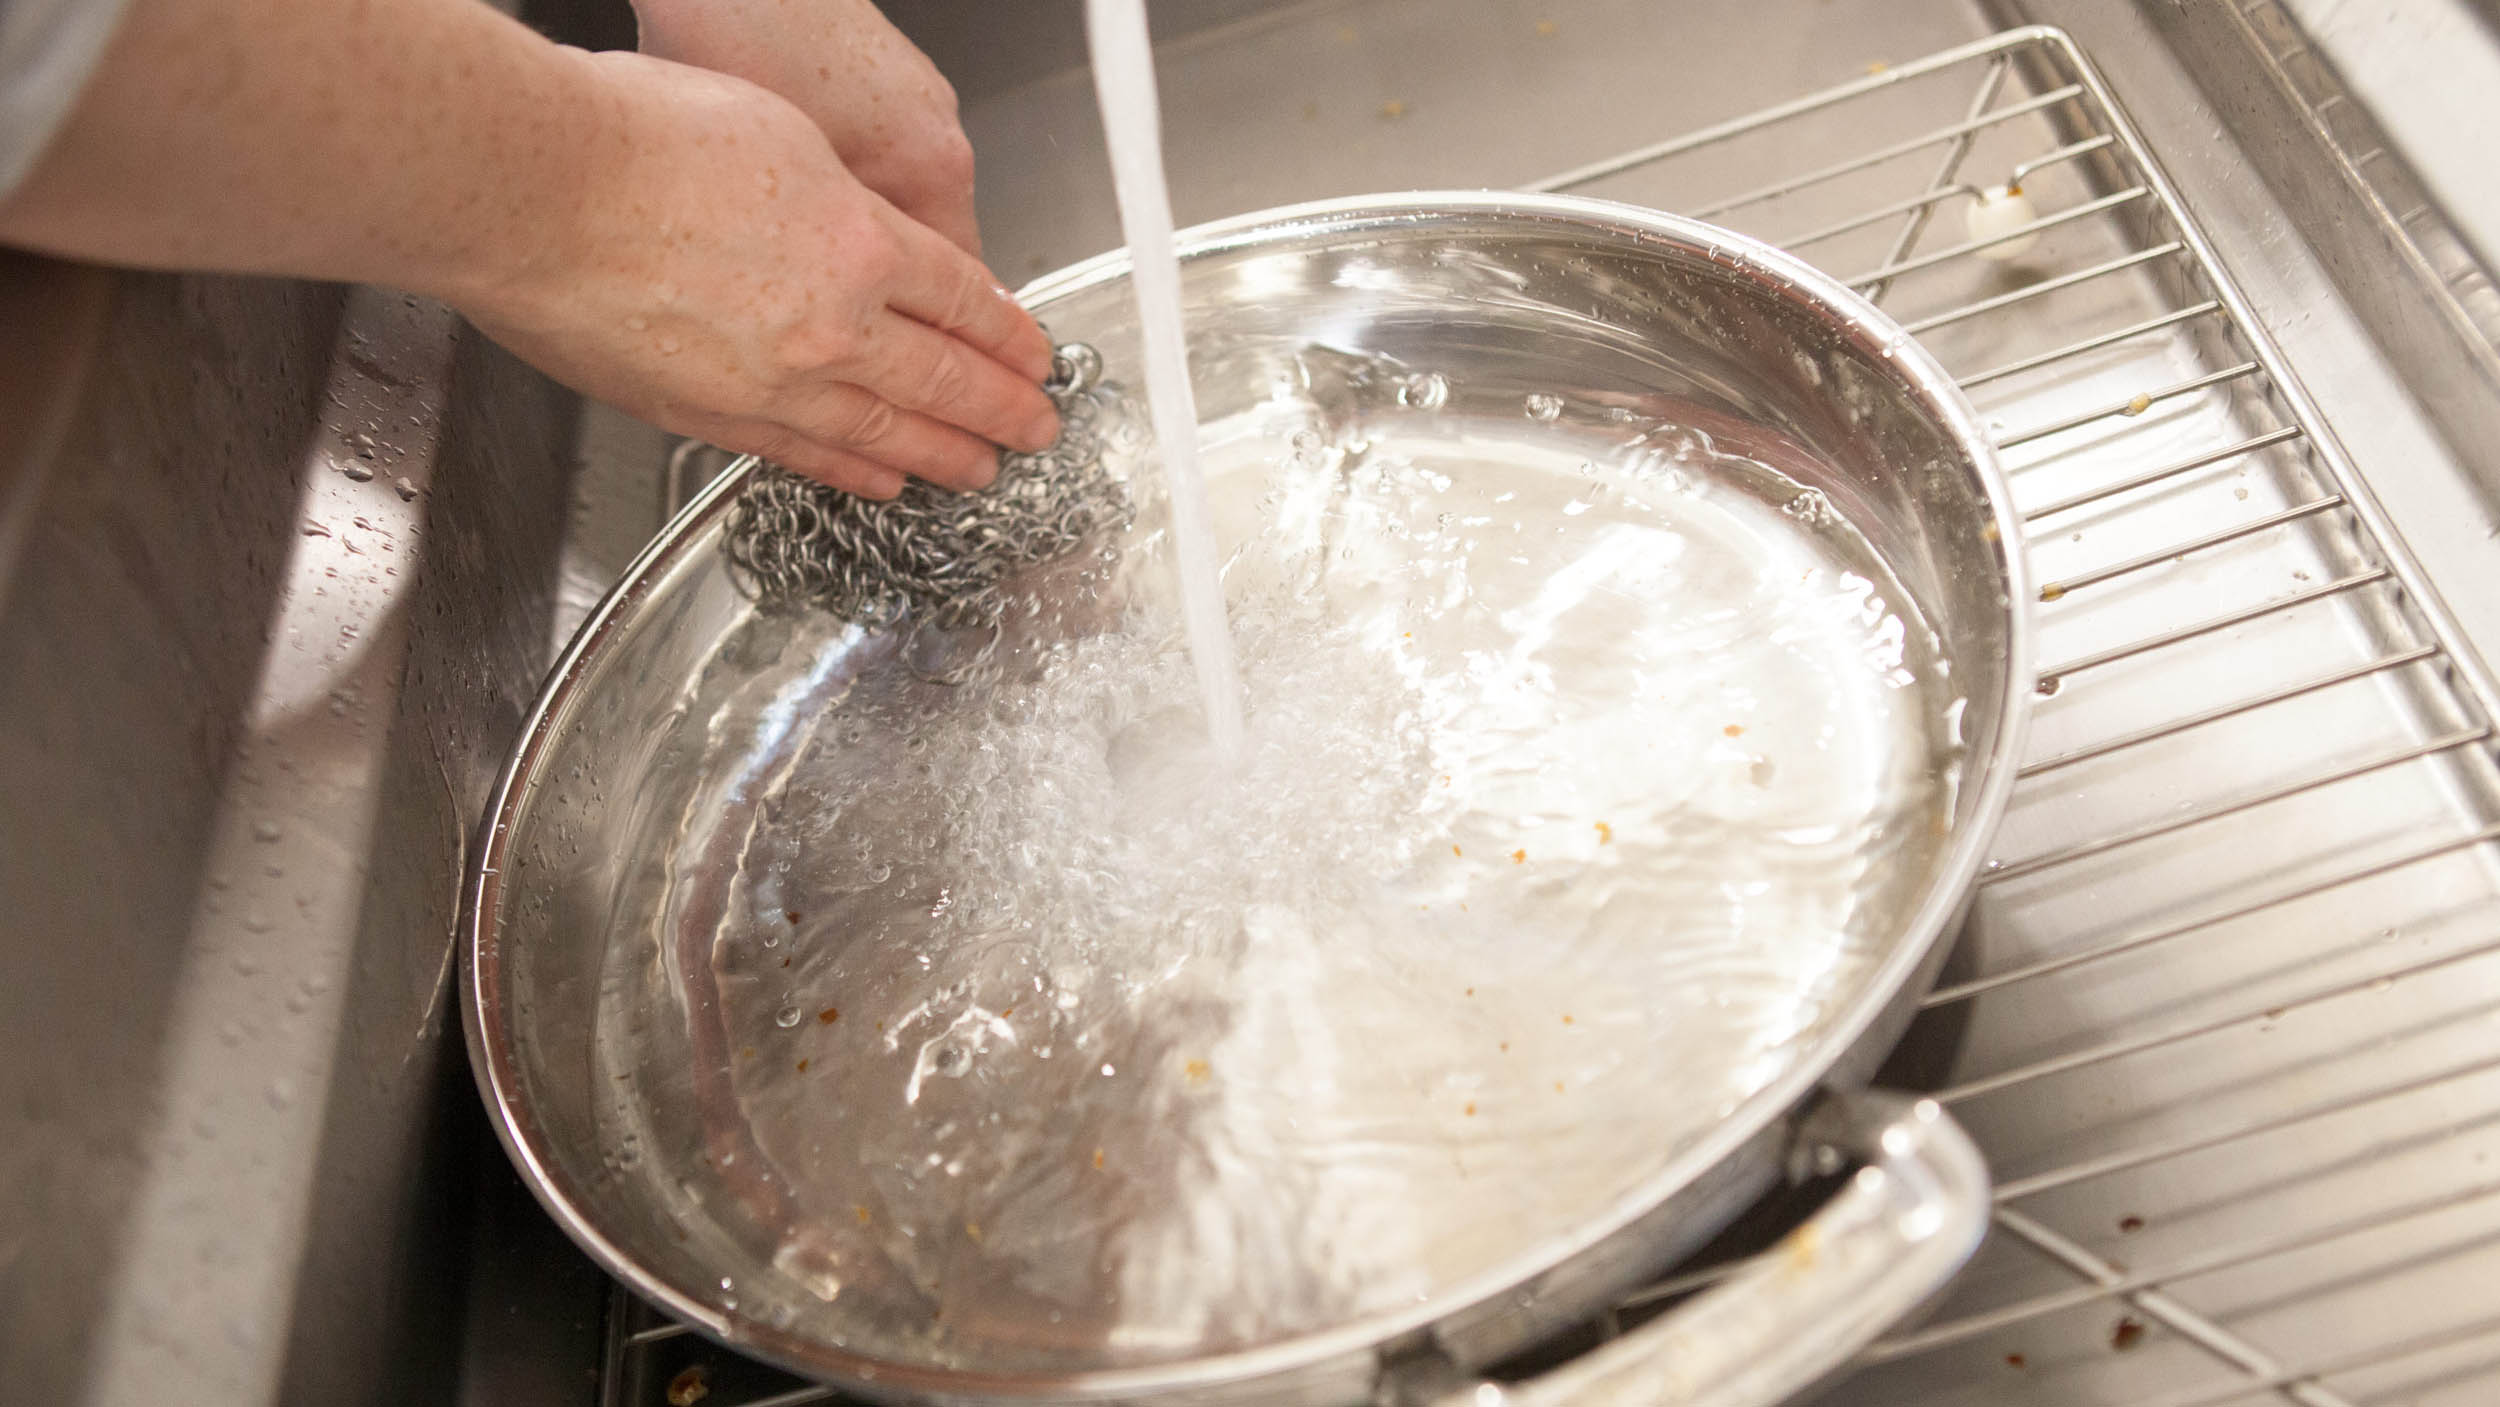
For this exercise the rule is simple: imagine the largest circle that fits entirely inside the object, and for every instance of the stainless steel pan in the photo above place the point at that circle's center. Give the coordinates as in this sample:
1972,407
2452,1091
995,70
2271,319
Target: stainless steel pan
734,1027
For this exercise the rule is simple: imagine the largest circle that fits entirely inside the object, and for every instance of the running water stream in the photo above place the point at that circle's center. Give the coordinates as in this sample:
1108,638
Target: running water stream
1124,84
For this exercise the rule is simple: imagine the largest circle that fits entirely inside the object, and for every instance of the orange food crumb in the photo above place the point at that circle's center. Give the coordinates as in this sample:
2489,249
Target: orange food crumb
1098,1157
1557,1086
1196,1070
828,1016
860,1210
973,1230
1605,834
1471,1108
1734,730
1566,1018
802,1067
1519,857
1506,1045
1456,851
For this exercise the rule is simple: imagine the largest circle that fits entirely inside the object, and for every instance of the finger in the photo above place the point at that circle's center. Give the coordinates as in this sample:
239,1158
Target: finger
918,368
947,209
858,420
956,223
828,464
953,292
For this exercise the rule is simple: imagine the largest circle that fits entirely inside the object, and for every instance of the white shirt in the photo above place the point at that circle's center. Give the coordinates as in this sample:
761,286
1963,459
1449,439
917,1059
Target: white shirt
48,48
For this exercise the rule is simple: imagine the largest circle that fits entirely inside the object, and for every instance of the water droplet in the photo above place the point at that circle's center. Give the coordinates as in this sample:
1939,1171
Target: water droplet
266,832
1544,407
787,1017
1428,390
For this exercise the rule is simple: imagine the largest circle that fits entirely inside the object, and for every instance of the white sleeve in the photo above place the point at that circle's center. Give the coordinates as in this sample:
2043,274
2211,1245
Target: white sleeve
47,50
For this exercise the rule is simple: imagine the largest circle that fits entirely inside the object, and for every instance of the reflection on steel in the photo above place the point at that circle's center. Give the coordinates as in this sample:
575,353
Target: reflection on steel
2250,1054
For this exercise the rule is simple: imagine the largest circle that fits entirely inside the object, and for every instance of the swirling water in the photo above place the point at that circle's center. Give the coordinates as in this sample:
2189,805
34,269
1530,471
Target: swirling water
1586,768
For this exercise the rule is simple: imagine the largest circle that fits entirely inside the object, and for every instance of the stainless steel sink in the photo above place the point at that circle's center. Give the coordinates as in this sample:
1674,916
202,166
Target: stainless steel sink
2230,1027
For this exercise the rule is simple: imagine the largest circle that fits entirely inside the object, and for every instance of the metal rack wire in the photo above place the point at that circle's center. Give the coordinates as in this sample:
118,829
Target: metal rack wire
2227,1017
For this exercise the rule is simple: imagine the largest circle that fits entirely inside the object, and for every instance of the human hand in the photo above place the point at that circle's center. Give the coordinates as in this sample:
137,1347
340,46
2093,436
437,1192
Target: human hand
888,113
722,274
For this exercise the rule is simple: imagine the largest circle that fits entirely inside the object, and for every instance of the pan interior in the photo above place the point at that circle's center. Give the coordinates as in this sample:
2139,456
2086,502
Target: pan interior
1588,763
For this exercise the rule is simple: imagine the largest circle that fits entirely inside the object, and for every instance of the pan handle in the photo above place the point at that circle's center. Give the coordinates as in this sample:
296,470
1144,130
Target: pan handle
1797,1314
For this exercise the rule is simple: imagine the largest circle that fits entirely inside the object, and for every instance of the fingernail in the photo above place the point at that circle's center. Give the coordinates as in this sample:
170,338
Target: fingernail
1042,431
885,485
984,472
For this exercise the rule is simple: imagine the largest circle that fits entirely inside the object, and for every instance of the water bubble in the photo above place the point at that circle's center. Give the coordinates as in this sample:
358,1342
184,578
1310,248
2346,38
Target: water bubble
1428,390
787,1017
1811,508
1544,407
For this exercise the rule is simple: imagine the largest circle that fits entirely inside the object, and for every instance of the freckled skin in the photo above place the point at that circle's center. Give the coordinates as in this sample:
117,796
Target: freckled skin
783,272
878,100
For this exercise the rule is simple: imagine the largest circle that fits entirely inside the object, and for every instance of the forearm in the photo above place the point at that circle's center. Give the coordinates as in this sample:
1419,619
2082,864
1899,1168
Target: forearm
684,245
423,144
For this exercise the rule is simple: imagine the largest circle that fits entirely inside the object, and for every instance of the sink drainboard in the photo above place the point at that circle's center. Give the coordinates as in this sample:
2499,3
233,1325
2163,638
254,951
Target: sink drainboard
2227,1016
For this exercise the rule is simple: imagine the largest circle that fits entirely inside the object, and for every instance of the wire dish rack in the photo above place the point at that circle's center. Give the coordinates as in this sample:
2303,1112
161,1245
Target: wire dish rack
2227,1015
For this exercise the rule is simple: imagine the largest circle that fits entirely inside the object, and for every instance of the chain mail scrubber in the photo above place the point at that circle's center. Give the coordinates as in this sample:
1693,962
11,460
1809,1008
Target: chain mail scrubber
941,557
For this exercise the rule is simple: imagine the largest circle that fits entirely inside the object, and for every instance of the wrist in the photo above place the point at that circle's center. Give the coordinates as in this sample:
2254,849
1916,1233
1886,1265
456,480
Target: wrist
509,217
